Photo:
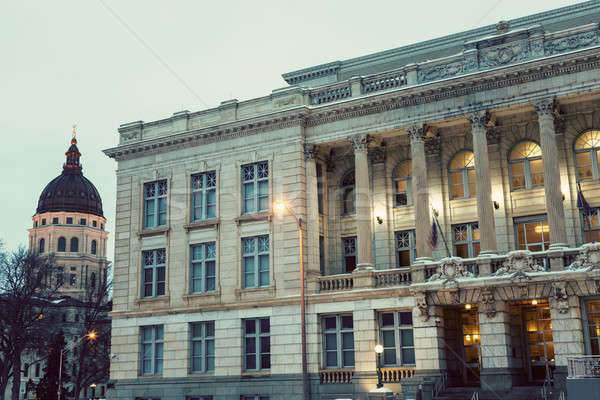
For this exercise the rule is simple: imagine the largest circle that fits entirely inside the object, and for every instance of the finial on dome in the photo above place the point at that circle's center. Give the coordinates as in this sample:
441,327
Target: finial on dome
73,154
73,139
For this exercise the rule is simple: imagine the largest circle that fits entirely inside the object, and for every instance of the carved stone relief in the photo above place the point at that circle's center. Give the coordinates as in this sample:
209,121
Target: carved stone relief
559,295
487,303
442,71
571,42
519,262
505,54
421,302
588,257
450,268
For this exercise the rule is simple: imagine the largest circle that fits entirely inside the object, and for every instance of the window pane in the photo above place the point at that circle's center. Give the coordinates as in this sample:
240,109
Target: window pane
584,165
349,358
265,325
518,175
347,340
331,359
265,344
387,319
462,250
330,323
404,258
408,356
388,339
250,361
250,326
347,322
389,356
250,345
265,361
406,337
331,341
405,318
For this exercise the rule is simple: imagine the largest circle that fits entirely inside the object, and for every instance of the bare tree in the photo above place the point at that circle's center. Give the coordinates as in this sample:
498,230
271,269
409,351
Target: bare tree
91,362
25,285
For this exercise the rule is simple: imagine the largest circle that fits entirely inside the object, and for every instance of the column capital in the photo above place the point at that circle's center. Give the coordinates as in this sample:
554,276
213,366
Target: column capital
416,133
360,142
310,151
377,155
478,119
544,107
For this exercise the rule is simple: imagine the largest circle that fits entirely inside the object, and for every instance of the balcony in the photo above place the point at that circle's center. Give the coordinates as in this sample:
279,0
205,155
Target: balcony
584,367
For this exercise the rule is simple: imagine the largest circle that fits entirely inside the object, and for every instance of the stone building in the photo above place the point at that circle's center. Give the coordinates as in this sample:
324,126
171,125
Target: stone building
437,188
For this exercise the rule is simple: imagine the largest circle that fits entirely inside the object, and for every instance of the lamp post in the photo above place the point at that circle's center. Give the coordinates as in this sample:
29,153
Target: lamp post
93,386
379,350
281,206
92,335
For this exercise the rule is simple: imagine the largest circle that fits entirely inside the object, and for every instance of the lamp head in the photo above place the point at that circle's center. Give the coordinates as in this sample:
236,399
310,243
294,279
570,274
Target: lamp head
378,349
92,335
279,206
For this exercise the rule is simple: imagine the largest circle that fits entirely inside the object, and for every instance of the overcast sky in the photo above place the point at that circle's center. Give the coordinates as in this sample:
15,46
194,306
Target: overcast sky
103,63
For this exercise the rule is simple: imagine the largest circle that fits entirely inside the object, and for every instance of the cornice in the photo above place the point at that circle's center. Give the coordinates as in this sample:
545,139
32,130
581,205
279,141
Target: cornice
310,116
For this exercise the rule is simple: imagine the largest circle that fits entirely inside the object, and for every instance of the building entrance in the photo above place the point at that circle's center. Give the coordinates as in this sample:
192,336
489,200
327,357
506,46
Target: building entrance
462,341
538,341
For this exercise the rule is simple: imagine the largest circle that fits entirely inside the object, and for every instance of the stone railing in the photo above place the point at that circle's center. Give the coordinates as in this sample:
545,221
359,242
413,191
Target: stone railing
584,367
452,268
330,93
379,82
391,375
336,375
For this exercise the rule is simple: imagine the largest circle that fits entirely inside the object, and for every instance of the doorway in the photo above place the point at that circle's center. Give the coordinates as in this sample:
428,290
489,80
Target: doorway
539,342
462,342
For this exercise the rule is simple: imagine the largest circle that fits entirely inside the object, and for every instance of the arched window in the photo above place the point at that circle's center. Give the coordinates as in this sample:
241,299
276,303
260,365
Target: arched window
74,244
462,175
526,168
93,280
348,196
62,244
93,249
402,179
42,245
587,146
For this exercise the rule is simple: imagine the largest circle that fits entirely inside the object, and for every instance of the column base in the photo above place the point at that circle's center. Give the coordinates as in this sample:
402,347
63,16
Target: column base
496,379
488,253
363,267
423,260
558,246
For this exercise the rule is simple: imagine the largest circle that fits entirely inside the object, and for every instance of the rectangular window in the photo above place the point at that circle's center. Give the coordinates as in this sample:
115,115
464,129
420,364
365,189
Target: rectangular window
405,248
322,255
396,335
320,187
466,240
255,261
43,221
202,347
255,187
257,344
349,248
591,326
532,233
94,224
69,220
153,283
204,196
338,341
203,271
155,204
151,356
82,221
55,220
591,225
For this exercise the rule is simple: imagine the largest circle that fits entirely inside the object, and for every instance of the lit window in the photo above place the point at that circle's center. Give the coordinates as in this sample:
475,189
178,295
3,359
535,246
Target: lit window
591,326
203,273
255,262
349,248
526,168
591,225
62,244
151,349
338,341
202,347
348,196
257,344
155,204
255,187
204,197
462,175
587,146
402,180
466,240
153,283
396,333
533,233
405,248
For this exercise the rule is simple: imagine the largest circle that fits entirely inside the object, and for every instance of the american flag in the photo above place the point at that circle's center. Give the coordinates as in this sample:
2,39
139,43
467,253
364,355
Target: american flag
433,236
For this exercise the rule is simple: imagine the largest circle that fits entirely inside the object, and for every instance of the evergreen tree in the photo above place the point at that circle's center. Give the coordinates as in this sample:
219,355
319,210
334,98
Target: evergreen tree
47,388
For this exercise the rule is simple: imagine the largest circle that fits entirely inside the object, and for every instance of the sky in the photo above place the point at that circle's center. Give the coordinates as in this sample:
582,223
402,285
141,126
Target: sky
102,63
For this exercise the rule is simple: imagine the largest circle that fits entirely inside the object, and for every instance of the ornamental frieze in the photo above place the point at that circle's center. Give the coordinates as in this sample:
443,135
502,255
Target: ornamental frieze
518,263
570,42
588,257
442,71
504,54
450,268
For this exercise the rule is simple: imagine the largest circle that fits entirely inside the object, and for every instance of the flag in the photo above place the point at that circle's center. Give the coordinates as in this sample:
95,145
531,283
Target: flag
582,204
433,237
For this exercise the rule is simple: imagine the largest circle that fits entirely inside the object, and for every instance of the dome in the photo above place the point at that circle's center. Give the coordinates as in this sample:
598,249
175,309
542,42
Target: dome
71,191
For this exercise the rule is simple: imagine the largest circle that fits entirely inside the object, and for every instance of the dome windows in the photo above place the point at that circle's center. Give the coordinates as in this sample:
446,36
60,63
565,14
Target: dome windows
62,244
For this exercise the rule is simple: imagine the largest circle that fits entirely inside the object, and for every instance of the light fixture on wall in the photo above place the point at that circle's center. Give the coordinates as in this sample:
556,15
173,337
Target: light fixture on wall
534,302
467,306
379,220
496,205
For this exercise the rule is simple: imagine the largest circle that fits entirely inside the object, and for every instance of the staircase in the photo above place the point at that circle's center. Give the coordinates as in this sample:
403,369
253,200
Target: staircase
466,393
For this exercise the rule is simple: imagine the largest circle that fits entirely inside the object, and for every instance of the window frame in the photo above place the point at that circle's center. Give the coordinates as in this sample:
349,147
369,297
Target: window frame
93,247
155,343
585,229
258,345
346,254
255,182
206,248
343,187
339,350
412,249
155,268
464,172
205,340
526,168
42,245
587,339
153,202
202,192
398,341
74,244
408,180
470,242
63,248
257,255
539,218
593,158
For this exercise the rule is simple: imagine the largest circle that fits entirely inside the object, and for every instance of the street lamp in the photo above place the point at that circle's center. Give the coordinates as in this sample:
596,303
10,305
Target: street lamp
280,206
93,386
91,335
379,350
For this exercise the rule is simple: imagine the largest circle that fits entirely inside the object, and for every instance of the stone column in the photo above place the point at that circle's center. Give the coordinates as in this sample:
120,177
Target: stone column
552,188
362,192
494,328
381,231
420,190
485,206
311,225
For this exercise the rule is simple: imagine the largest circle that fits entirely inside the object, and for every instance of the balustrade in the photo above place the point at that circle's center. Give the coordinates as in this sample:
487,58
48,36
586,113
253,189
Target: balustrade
392,375
392,277
336,375
390,80
329,94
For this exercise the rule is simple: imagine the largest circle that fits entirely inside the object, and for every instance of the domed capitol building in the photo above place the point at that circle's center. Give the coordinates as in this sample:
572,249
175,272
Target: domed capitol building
440,200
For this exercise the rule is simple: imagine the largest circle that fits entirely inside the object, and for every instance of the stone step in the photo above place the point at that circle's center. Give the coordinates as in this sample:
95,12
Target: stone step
517,393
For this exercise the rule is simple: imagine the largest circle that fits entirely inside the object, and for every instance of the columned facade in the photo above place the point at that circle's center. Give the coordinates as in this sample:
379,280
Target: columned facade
360,144
420,190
